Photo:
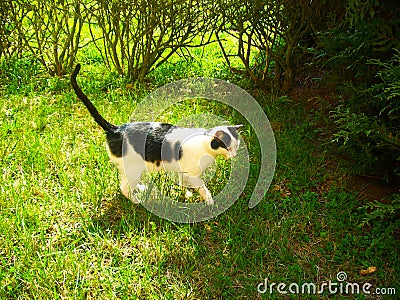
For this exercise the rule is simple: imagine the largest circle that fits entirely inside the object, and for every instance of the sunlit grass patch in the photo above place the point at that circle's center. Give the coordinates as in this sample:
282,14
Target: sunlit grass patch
67,232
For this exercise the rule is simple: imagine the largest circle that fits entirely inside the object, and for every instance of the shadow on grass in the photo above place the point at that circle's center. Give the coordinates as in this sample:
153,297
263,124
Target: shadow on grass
192,261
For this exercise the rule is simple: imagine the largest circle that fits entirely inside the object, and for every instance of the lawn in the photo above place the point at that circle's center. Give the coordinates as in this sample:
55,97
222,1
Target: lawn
66,232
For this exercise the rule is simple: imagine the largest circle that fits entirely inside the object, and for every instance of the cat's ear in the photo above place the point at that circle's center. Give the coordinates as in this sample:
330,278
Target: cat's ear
234,130
219,134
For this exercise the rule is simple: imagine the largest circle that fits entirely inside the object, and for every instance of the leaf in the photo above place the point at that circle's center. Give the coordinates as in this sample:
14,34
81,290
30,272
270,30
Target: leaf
368,271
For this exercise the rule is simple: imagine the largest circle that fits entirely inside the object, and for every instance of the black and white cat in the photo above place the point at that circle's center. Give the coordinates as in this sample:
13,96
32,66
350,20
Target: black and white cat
151,146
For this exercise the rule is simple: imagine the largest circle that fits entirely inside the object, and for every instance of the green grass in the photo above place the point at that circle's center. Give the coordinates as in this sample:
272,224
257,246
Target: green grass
67,233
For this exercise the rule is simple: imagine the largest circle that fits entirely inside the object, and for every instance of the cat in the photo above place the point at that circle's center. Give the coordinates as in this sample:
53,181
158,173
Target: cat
154,146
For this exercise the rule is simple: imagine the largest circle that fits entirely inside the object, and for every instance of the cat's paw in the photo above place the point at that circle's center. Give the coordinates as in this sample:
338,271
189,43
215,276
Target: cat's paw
188,194
206,195
210,201
129,195
141,187
209,198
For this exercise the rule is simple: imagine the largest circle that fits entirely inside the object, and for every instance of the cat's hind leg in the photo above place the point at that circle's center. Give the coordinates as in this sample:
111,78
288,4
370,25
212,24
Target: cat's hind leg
126,189
130,178
133,177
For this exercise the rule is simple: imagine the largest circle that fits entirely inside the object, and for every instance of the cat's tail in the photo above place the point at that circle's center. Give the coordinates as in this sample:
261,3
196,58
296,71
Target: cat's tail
108,127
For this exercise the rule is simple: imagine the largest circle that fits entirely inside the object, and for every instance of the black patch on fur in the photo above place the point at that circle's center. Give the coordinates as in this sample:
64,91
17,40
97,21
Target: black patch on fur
178,151
150,142
222,141
215,143
114,141
234,132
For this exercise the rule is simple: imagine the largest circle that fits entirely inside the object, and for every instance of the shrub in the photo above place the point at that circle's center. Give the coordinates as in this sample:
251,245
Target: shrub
272,36
359,55
137,36
48,30
389,213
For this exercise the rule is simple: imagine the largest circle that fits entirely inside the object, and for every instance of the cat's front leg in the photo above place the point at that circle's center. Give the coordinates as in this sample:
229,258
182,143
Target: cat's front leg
197,183
206,195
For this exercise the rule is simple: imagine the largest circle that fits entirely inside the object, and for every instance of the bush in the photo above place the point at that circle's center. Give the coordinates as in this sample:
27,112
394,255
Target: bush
272,36
359,55
389,213
137,36
48,30
387,91
134,37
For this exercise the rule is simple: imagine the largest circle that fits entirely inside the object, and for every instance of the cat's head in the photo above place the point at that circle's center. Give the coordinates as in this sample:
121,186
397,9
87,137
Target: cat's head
225,140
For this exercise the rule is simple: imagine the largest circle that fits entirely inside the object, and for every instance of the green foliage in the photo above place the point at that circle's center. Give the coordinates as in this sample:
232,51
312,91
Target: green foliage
387,215
16,74
371,131
134,37
360,57
387,92
368,142
48,30
137,36
348,49
389,212
271,37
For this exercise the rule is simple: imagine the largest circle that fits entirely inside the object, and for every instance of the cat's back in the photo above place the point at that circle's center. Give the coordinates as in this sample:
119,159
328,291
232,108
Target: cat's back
159,132
149,139
183,134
